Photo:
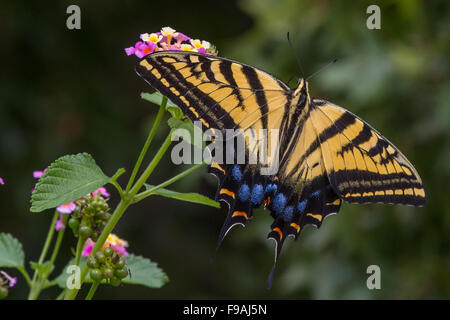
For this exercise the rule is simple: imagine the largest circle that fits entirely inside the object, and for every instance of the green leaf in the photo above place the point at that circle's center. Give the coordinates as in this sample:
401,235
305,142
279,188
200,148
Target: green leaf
190,197
190,134
11,252
157,97
68,178
144,272
43,269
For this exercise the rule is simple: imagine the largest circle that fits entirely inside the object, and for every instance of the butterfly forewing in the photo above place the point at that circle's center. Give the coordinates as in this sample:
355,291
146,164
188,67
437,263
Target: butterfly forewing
218,92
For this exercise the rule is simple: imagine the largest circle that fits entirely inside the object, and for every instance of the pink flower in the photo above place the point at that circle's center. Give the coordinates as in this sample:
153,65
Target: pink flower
102,191
59,225
38,174
113,241
182,37
12,281
141,49
67,208
121,250
88,246
1,181
129,51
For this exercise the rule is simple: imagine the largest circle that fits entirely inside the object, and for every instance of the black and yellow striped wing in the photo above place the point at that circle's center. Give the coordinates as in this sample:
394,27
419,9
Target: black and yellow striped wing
361,164
221,93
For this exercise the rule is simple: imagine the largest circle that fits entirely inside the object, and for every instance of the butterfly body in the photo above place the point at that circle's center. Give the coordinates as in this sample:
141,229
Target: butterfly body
326,154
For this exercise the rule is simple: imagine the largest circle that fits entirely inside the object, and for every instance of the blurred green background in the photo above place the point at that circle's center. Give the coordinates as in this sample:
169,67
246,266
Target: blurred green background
68,91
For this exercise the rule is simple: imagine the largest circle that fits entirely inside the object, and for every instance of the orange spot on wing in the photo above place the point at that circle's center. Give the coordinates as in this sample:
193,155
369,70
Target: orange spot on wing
315,216
239,213
227,192
279,232
217,166
295,226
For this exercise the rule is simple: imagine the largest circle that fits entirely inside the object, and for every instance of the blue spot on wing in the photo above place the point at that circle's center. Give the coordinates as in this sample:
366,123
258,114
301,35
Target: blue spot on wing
236,173
270,188
301,206
315,194
288,213
257,194
244,192
279,203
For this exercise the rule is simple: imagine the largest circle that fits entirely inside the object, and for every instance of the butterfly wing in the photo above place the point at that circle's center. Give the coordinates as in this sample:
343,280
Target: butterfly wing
361,164
220,93
223,94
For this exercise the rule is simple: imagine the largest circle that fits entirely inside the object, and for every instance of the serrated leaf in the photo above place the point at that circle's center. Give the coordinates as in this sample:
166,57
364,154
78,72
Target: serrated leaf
157,97
190,196
11,252
144,272
193,134
68,178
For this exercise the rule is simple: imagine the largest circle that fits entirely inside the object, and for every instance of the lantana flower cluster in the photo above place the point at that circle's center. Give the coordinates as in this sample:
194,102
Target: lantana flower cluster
169,39
113,241
108,265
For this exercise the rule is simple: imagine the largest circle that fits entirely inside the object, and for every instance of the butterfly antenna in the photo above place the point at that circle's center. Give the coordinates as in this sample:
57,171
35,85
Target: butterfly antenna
324,67
293,51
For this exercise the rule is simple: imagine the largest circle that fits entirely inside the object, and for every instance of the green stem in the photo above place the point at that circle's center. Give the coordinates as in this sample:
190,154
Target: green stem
149,192
91,292
25,275
58,240
114,182
158,118
80,243
117,186
42,283
50,284
148,171
51,232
